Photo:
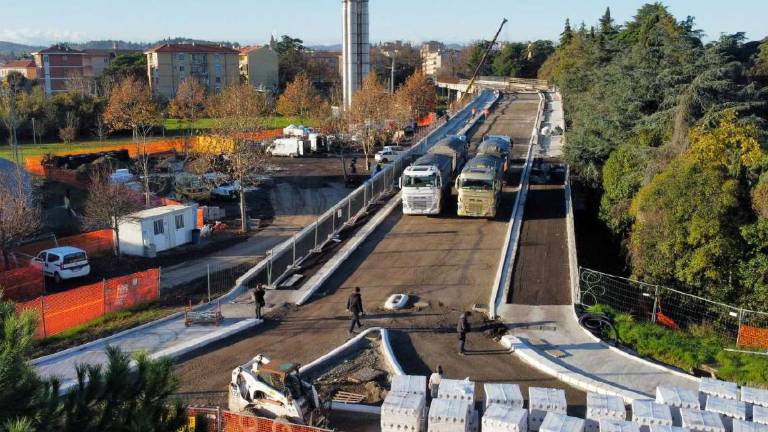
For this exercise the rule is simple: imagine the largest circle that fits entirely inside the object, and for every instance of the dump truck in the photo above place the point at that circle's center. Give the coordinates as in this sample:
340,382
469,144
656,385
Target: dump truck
274,388
426,184
479,186
454,146
497,145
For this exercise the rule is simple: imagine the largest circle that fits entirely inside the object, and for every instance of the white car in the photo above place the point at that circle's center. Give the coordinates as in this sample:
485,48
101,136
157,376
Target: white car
63,263
389,153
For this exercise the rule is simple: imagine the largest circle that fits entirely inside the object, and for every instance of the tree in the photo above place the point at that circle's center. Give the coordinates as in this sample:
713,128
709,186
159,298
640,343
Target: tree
130,107
760,68
236,111
300,98
368,113
190,103
476,52
109,205
607,26
731,145
19,212
10,115
567,35
416,98
125,66
292,59
68,133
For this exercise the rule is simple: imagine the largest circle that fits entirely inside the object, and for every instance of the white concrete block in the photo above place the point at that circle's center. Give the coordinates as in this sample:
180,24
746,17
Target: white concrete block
542,401
745,426
649,414
728,409
404,412
660,428
701,421
600,406
554,422
502,418
456,389
677,398
449,416
613,425
409,384
755,396
760,414
505,394
715,387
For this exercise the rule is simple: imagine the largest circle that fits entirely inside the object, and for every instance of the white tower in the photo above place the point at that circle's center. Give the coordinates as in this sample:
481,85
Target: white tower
356,51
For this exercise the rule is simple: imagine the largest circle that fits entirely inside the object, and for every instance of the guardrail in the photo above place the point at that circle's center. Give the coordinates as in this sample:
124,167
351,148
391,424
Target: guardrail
506,263
285,259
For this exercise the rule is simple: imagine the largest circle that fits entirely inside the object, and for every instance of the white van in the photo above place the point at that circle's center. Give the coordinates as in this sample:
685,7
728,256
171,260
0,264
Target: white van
63,263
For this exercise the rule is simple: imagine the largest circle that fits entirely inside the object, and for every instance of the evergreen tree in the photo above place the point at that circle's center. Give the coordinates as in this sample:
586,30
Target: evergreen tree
567,35
607,26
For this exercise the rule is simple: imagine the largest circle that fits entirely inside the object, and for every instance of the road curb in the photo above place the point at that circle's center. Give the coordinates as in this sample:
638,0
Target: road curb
385,345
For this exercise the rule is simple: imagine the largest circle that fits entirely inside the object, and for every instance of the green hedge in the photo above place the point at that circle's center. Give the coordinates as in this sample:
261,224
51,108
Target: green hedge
687,349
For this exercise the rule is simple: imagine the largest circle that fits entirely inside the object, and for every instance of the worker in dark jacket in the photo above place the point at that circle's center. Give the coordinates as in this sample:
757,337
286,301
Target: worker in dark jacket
258,299
462,329
355,307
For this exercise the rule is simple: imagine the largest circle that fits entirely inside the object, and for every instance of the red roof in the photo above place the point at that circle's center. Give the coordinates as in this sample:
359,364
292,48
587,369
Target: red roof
192,48
24,63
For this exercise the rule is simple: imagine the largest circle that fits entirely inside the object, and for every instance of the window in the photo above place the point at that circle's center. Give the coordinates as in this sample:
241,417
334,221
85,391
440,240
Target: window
45,58
180,56
218,80
75,257
216,58
179,222
159,227
63,58
52,257
181,68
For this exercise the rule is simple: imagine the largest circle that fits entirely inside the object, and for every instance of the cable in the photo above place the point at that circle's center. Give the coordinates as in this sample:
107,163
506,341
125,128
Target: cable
601,325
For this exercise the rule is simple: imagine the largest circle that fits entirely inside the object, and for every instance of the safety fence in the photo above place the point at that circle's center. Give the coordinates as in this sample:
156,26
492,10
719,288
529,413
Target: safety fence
65,310
672,308
93,243
22,284
285,259
206,419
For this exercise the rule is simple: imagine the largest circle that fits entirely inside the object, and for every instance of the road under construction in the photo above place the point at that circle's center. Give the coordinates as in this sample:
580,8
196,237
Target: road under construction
447,263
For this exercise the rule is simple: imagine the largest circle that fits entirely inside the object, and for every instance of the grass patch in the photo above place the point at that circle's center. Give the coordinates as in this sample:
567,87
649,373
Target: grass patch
272,122
85,146
103,326
688,349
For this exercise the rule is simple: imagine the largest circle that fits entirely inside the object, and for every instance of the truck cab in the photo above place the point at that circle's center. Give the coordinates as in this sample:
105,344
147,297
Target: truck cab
479,186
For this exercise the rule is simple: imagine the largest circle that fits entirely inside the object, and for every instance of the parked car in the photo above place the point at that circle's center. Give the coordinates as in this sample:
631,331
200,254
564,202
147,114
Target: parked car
63,263
389,153
227,191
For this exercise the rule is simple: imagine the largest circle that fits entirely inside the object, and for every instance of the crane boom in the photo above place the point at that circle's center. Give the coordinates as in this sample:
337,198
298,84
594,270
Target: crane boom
482,60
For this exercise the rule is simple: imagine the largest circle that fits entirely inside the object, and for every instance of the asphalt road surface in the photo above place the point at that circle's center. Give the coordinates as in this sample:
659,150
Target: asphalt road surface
446,261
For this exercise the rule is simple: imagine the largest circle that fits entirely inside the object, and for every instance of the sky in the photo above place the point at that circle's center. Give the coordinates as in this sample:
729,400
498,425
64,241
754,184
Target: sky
318,22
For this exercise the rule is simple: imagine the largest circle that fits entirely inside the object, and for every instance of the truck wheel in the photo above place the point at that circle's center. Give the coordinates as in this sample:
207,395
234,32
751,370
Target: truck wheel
385,161
57,278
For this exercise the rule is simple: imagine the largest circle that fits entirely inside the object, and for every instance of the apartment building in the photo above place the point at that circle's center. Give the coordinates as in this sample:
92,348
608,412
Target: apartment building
56,65
259,66
213,66
25,67
435,58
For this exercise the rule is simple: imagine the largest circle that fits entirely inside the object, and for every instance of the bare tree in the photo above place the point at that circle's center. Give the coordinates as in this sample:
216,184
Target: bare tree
131,107
300,98
237,110
10,115
368,113
109,204
19,212
189,105
68,133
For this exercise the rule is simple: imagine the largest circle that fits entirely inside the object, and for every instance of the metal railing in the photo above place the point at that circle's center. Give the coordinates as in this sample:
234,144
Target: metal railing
285,259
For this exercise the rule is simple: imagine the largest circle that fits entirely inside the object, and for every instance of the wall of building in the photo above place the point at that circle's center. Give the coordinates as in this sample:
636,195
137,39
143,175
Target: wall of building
262,66
167,69
54,69
29,73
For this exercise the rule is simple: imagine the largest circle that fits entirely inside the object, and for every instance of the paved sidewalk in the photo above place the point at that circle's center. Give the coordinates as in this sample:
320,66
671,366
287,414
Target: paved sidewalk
549,329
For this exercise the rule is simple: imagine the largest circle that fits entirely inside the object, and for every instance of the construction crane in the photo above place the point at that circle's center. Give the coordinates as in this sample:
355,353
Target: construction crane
482,61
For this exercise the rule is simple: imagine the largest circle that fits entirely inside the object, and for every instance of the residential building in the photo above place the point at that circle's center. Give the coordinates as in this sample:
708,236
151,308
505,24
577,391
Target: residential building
325,66
214,66
56,65
25,67
435,58
259,65
96,60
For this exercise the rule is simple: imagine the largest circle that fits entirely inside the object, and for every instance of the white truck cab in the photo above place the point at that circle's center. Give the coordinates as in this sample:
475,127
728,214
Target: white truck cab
63,263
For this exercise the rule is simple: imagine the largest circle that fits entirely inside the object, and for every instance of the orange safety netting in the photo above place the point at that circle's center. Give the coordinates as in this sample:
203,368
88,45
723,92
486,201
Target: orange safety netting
666,321
22,284
234,422
427,119
93,243
752,337
62,311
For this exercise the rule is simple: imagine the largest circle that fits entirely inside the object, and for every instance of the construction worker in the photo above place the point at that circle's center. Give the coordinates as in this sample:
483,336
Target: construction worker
462,329
434,381
355,307
258,299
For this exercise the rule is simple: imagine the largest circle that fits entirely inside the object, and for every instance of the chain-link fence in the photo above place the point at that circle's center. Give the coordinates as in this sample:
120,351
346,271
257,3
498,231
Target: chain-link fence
673,308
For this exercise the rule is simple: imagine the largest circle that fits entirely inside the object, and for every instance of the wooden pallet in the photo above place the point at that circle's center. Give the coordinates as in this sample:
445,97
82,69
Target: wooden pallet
347,397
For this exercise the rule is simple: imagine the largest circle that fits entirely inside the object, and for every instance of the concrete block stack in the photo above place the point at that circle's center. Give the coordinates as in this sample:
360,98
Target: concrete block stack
649,414
404,412
677,398
415,384
756,400
503,418
542,401
450,415
701,421
745,426
554,422
504,394
668,429
613,425
603,407
760,414
451,389
715,387
727,409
